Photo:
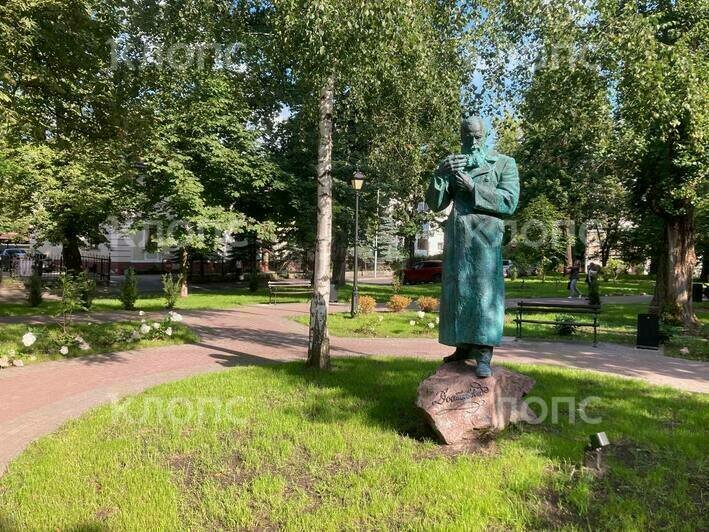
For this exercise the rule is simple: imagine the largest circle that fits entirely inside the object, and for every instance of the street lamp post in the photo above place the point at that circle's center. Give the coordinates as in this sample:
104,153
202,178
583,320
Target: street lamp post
357,181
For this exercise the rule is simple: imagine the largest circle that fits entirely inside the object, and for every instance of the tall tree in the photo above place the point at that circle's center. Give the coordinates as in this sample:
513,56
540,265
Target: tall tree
359,49
189,77
657,55
62,125
540,240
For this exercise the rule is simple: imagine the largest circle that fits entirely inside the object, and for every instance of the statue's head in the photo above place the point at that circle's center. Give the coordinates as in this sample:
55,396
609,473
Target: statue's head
472,132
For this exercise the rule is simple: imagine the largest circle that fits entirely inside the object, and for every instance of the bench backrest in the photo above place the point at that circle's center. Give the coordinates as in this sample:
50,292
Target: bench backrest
542,306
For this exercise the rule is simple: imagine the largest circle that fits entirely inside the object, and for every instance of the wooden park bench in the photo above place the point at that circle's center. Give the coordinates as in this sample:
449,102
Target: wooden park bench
540,307
288,288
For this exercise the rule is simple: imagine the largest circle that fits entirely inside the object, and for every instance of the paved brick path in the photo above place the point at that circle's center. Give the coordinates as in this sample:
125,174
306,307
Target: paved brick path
39,398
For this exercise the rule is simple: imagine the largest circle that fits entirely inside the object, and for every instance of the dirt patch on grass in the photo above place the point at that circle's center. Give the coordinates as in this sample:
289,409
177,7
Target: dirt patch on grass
104,513
184,466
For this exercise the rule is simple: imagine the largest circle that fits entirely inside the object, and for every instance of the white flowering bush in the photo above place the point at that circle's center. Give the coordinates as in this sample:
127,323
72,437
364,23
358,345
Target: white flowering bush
156,330
424,323
174,316
81,339
16,357
28,339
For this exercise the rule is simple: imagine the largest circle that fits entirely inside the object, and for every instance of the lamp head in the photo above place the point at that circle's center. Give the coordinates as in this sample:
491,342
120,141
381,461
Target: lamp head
357,180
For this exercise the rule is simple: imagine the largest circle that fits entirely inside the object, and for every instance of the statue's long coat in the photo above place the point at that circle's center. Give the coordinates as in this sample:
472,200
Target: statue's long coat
473,295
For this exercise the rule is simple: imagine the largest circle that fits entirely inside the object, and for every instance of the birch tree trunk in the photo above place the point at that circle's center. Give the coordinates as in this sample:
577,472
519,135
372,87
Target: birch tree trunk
319,341
184,272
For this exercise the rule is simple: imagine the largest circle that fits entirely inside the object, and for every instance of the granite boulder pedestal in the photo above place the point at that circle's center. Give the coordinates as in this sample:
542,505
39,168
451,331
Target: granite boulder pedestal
460,406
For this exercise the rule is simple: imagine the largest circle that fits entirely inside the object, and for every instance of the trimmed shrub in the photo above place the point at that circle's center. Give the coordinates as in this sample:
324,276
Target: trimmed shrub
366,305
129,290
171,289
427,304
565,324
35,290
398,303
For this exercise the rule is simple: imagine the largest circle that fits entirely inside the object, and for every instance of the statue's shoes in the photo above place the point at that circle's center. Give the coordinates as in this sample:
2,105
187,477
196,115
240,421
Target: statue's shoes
458,355
483,370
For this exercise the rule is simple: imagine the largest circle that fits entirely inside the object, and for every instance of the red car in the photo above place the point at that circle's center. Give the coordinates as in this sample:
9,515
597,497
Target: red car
429,271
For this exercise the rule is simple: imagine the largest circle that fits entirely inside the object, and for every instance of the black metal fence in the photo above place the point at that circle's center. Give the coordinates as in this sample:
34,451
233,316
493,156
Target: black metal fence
214,269
97,267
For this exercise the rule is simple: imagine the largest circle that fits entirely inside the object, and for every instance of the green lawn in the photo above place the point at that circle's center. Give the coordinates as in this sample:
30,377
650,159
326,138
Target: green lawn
698,344
101,338
286,447
224,298
618,324
531,287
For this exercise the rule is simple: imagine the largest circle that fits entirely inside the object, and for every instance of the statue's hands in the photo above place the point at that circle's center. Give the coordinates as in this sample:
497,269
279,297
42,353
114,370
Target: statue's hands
463,182
452,164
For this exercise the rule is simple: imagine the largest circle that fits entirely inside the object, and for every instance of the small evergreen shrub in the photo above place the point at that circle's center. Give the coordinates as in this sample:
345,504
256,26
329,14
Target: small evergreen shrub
86,288
253,282
427,304
171,289
396,282
398,303
71,301
565,325
366,305
35,290
129,290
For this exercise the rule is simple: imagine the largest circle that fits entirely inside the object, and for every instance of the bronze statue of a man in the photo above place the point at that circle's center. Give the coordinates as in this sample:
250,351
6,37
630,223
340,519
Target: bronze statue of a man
483,186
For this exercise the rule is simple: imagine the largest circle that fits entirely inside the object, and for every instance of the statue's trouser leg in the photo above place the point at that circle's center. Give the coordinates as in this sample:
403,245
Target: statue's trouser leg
483,355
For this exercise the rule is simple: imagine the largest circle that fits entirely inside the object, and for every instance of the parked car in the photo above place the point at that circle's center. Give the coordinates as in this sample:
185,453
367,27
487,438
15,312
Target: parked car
429,271
8,255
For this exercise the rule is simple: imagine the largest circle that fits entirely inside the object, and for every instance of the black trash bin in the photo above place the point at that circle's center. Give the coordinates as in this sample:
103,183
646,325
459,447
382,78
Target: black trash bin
697,289
333,293
648,331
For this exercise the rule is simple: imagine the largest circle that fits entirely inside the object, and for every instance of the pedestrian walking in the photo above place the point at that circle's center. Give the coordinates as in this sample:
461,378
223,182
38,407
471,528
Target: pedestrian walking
573,273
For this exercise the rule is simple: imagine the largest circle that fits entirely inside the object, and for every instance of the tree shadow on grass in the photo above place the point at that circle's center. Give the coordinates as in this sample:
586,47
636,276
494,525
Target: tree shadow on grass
658,435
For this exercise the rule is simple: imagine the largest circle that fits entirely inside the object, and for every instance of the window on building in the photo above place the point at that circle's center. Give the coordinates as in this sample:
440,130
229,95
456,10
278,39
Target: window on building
151,238
422,244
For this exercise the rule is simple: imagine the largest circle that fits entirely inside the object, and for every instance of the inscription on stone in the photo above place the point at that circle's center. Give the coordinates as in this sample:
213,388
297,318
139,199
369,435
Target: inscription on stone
453,400
458,404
